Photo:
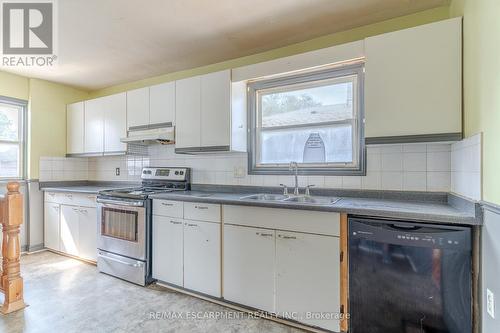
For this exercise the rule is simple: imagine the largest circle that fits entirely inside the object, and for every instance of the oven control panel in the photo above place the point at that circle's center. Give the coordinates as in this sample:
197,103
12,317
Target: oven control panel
174,174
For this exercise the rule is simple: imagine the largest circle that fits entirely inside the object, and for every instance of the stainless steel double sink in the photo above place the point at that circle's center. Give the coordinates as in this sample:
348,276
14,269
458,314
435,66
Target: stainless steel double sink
311,200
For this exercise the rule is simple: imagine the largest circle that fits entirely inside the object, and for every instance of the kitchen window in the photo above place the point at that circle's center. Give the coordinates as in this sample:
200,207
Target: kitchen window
12,137
313,118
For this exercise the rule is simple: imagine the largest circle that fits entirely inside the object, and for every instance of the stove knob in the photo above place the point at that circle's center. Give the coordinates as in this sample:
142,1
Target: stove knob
177,172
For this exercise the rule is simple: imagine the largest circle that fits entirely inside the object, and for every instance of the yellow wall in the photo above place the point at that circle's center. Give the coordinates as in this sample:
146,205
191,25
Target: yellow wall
427,16
46,114
14,86
482,83
47,117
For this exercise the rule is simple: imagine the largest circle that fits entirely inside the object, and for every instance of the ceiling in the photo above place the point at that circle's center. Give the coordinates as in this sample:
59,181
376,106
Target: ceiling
107,42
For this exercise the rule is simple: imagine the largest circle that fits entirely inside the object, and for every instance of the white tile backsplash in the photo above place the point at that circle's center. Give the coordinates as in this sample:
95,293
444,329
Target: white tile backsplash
466,167
412,167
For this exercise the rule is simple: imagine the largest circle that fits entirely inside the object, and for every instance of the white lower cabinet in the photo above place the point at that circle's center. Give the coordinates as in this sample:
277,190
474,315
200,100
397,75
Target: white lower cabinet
308,277
168,247
51,225
249,266
202,264
70,238
71,228
87,232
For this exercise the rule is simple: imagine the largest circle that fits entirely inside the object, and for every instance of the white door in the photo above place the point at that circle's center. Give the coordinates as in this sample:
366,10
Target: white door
138,107
75,119
51,225
216,109
249,266
94,125
162,103
202,257
308,276
187,112
115,123
168,249
69,230
87,233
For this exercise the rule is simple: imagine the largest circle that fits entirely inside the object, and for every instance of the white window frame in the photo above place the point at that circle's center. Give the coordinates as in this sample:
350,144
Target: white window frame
308,79
22,135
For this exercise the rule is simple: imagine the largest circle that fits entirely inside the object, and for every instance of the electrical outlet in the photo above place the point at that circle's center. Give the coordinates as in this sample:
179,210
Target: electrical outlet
490,303
117,171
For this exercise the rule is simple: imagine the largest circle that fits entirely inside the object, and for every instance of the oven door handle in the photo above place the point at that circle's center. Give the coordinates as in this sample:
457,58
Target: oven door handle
136,203
137,264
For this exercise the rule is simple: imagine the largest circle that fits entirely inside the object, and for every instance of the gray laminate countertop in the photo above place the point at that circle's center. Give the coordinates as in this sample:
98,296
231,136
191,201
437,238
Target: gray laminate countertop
427,211
414,206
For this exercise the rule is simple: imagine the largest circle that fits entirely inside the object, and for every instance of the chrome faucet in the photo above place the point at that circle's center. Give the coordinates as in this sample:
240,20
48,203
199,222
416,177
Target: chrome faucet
294,167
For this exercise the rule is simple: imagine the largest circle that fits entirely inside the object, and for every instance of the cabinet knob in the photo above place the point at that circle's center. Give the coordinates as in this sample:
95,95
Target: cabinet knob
175,222
167,204
201,207
263,234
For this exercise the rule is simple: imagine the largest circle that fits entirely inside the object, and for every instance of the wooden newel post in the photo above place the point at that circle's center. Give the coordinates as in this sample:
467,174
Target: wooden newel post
11,218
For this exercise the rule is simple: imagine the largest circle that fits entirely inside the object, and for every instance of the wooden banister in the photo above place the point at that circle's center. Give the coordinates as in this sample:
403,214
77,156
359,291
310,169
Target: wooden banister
11,218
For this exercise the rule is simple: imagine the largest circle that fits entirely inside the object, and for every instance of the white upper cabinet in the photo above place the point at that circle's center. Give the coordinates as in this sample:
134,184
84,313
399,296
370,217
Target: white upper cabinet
188,112
162,103
94,125
75,118
138,107
413,81
203,113
115,123
105,124
216,109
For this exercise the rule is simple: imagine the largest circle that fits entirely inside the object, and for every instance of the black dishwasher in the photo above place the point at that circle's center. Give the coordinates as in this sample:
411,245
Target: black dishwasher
407,277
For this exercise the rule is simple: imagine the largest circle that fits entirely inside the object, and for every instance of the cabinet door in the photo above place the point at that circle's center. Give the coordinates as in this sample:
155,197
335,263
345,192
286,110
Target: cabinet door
215,109
188,112
114,123
168,249
202,257
75,119
308,276
87,233
51,225
138,107
94,125
249,266
413,81
70,239
162,103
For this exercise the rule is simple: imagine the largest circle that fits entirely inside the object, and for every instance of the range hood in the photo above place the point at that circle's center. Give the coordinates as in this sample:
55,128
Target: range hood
165,135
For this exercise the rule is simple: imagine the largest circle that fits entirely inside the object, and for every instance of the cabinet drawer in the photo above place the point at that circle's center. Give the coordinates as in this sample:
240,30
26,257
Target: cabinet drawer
53,197
323,223
168,208
202,211
77,199
86,200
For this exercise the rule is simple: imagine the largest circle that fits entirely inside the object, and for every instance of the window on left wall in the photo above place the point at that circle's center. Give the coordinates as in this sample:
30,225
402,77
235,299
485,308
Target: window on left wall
12,138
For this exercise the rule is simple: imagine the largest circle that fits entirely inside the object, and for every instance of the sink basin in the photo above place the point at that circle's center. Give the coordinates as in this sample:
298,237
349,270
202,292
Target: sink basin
265,197
313,200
